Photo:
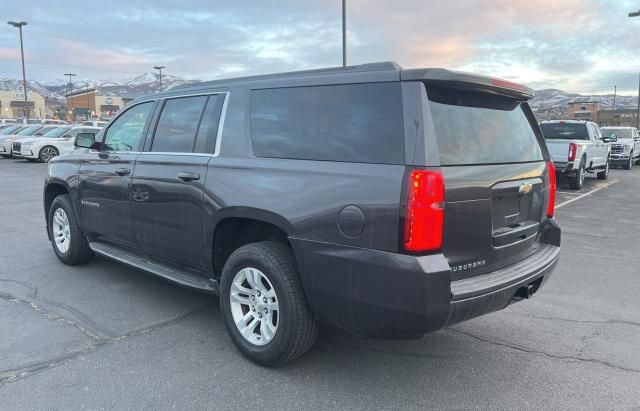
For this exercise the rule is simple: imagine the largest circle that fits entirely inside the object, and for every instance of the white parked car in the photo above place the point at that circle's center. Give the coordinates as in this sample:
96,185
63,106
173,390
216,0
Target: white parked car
95,123
6,141
55,142
626,150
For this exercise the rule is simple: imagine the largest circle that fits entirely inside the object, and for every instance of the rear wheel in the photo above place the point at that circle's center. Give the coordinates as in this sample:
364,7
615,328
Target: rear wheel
47,153
576,181
263,304
604,174
68,242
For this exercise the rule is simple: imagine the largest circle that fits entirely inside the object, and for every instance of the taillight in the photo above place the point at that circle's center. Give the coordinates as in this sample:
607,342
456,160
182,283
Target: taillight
573,148
425,211
551,174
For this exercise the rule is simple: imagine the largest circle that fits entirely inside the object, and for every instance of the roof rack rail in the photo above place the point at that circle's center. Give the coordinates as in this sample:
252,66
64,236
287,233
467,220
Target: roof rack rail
378,66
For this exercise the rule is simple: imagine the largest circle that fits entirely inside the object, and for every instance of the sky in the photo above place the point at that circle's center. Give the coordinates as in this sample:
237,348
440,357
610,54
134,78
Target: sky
583,46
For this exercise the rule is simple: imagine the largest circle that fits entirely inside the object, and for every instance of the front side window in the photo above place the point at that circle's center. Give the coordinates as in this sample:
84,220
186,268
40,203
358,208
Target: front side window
178,124
125,133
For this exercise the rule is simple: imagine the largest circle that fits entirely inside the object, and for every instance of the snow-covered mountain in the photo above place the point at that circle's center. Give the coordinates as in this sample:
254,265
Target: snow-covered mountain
549,99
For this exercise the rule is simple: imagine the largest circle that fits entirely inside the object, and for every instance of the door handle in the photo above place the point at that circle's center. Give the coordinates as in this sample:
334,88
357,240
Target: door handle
123,171
186,177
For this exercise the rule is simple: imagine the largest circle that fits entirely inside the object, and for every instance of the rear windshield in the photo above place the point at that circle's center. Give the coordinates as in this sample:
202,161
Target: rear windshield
359,123
564,131
620,132
479,128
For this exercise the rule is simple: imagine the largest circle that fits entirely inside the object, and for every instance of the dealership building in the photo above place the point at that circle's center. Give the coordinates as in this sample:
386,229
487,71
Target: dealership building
12,104
84,104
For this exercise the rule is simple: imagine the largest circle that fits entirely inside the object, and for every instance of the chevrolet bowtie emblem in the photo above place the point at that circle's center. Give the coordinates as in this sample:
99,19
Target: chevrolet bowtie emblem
525,188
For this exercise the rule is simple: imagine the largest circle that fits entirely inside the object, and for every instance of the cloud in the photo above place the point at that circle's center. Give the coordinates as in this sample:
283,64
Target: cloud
577,45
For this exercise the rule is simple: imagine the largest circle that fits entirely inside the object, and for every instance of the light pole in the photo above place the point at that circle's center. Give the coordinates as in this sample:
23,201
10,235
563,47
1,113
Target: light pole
637,14
344,33
70,83
159,68
18,25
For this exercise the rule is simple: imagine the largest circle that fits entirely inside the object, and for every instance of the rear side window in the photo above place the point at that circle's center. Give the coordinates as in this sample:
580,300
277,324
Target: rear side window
565,131
480,128
178,124
359,123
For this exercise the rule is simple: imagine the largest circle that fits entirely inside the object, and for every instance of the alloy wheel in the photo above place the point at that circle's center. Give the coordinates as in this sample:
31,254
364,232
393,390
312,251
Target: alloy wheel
48,153
254,306
61,230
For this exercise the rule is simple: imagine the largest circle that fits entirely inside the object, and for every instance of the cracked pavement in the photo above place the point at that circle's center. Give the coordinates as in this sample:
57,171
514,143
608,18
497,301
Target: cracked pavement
104,336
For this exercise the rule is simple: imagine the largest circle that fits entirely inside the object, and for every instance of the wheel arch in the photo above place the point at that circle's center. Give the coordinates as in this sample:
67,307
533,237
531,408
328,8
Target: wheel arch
53,189
234,227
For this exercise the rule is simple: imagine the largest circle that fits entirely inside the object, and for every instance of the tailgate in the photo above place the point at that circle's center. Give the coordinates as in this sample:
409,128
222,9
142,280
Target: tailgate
493,160
558,150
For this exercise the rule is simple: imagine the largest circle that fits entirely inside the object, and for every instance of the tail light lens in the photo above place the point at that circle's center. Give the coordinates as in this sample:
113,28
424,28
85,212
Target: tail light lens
573,148
551,174
425,211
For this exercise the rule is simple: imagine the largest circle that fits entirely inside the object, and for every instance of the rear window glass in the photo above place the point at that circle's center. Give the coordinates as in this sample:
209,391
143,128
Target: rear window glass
479,128
565,131
178,124
359,123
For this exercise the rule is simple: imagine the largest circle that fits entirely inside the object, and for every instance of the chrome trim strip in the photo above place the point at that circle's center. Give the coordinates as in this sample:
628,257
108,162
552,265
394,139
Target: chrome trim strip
172,153
223,115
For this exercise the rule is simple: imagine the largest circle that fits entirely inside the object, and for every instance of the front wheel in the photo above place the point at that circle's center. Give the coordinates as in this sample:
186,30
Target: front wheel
68,242
629,165
47,153
604,174
263,304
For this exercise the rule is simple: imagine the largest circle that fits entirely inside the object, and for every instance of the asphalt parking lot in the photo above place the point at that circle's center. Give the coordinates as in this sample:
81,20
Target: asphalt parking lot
106,336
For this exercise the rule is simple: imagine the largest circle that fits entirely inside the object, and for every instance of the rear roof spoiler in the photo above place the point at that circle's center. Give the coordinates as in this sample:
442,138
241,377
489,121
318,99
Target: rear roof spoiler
469,80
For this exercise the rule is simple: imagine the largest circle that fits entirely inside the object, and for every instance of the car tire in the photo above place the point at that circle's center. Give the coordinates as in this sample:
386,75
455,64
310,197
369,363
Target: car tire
576,181
47,153
261,272
604,174
68,241
629,164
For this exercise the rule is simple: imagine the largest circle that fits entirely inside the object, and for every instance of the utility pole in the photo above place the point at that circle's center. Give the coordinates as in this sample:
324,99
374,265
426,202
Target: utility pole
344,33
70,83
615,90
19,25
637,14
159,68
88,104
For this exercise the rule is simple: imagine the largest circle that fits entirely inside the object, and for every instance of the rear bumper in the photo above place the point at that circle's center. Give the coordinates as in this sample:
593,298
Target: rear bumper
563,167
386,295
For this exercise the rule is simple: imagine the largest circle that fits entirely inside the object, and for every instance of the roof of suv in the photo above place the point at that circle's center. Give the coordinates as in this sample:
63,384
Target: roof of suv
381,71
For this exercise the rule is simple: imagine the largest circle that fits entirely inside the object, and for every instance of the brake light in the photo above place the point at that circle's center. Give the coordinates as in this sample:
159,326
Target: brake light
573,148
425,211
507,84
551,174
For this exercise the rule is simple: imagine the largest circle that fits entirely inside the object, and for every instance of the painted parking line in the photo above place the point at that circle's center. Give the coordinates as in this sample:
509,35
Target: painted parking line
571,193
597,188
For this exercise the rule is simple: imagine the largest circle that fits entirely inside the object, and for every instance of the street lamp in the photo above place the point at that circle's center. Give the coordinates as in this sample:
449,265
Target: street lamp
159,68
344,33
70,83
637,14
18,25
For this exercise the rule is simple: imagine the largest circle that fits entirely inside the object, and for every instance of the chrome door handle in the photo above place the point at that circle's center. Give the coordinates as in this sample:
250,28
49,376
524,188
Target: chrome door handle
123,171
186,177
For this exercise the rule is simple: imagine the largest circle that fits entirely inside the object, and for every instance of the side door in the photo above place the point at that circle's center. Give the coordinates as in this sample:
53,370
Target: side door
105,176
167,190
636,142
597,156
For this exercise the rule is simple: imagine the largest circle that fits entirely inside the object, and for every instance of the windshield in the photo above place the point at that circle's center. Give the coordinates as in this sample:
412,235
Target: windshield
56,132
29,130
10,130
565,131
620,132
480,128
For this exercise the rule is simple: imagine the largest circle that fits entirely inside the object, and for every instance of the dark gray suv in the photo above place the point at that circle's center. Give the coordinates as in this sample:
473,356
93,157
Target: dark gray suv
386,202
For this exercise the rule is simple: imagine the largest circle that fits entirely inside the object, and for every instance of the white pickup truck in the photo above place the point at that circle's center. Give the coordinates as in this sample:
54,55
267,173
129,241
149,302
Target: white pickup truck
576,148
625,147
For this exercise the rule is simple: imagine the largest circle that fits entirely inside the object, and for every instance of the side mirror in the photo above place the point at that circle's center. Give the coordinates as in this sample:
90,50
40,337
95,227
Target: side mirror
85,140
606,140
